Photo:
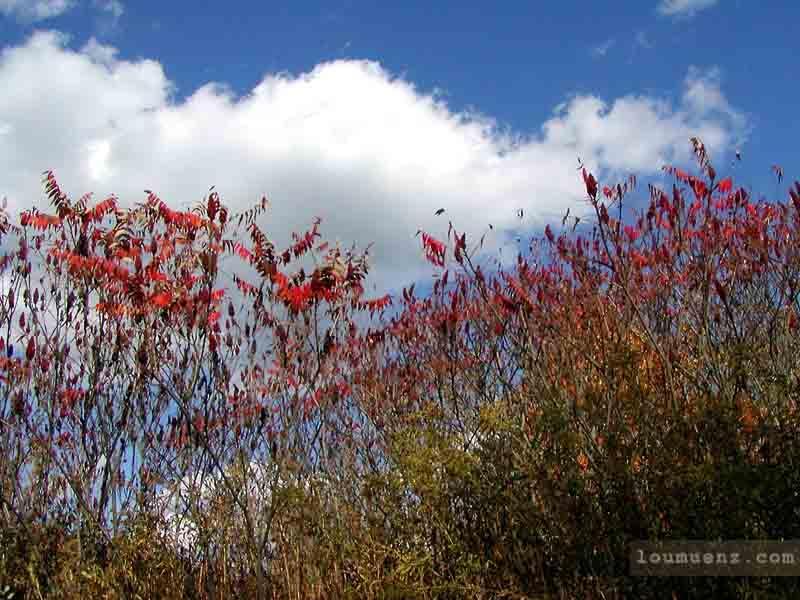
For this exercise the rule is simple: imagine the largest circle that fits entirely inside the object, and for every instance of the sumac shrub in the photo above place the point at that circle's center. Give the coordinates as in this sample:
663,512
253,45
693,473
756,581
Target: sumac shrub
180,412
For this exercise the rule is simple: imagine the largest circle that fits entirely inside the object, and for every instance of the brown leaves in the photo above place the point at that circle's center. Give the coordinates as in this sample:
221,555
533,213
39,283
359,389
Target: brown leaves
460,247
591,185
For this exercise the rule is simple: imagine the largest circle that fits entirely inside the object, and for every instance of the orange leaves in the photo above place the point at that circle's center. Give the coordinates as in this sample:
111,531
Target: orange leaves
94,266
161,300
112,309
296,297
699,187
583,461
636,463
632,233
96,214
39,221
376,305
130,254
157,276
204,297
638,259
748,419
187,221
188,280
165,250
243,252
68,398
434,250
279,279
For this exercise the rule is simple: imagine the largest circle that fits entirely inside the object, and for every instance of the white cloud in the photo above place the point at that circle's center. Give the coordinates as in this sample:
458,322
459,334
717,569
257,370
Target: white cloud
683,8
638,133
369,153
34,10
99,53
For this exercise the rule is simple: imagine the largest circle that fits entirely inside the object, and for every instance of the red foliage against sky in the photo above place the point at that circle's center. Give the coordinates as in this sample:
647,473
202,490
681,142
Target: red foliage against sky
178,331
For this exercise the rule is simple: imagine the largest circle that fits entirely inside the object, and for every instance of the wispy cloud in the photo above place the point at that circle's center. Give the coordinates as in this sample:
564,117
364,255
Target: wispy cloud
643,41
107,22
683,8
601,50
112,7
30,11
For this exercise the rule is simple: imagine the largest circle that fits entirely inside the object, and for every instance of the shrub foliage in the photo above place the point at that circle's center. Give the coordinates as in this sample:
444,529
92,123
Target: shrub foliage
187,411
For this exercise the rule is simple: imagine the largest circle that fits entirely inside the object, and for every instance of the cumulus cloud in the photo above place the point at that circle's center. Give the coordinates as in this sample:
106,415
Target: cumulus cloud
368,152
637,133
683,8
34,10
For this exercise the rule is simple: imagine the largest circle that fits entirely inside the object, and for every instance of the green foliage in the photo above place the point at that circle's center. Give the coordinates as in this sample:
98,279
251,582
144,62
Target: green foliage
41,562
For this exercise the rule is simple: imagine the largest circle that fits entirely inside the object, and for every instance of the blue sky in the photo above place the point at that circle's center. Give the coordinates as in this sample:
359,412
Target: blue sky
372,115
